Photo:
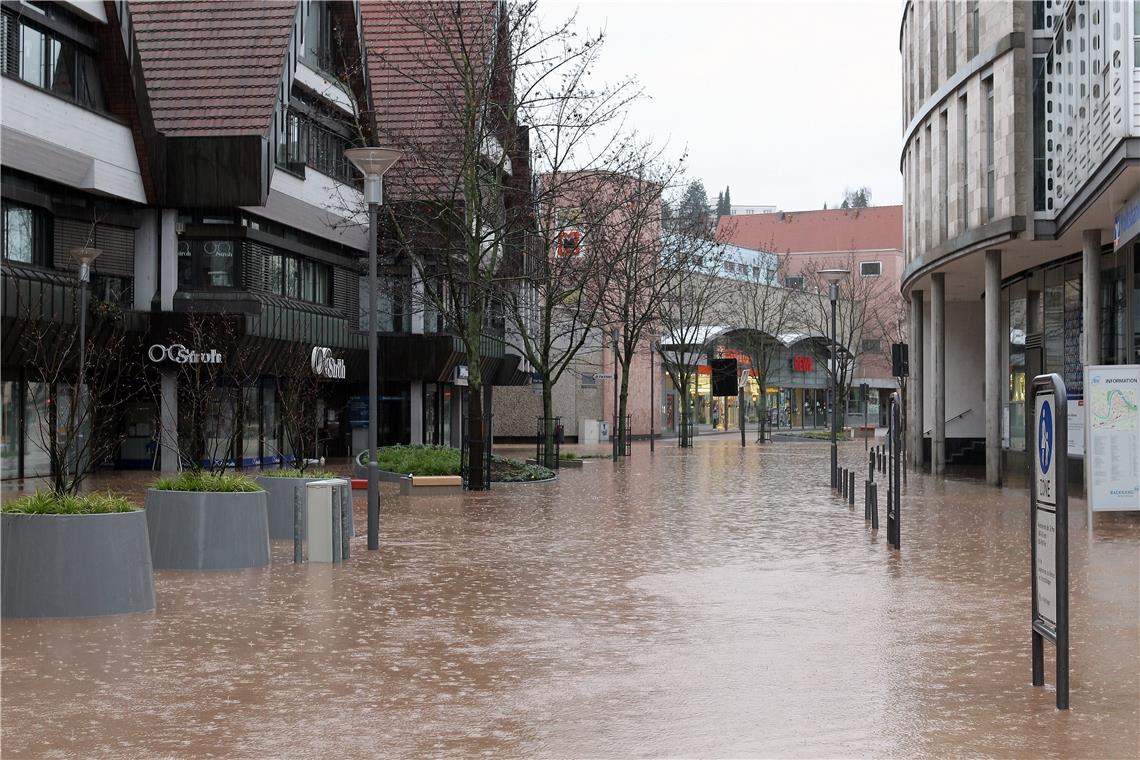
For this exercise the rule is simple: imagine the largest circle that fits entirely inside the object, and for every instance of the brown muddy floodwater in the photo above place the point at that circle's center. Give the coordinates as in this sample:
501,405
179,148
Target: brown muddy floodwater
715,602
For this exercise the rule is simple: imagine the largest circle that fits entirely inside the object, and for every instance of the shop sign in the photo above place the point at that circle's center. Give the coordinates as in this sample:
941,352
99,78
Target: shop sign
801,364
1126,224
461,375
179,354
325,364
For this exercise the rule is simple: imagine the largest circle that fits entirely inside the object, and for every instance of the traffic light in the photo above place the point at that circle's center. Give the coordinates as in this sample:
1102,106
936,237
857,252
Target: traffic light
900,360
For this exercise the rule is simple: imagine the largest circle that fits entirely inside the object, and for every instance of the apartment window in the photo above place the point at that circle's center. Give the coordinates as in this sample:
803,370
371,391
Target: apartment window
963,162
49,61
870,268
796,282
928,204
304,141
988,88
871,345
318,34
943,171
951,38
933,47
299,278
973,32
206,264
1136,35
1039,158
27,235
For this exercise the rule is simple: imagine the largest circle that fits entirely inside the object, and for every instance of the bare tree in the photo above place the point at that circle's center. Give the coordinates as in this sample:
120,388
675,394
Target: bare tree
213,367
78,425
692,302
462,210
298,390
859,309
764,310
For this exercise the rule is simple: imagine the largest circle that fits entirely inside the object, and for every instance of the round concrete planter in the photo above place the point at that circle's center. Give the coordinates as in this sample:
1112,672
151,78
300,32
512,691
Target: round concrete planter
207,530
279,498
75,565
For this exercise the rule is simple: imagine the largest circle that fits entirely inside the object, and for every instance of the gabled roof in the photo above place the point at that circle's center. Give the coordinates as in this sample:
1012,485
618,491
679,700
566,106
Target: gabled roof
416,90
212,68
857,229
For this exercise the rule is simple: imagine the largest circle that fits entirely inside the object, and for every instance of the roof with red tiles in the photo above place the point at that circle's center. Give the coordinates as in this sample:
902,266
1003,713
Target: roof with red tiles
858,229
417,92
212,68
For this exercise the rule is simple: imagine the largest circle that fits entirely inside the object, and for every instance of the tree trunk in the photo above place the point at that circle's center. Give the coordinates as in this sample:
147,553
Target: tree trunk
548,450
623,398
476,453
762,410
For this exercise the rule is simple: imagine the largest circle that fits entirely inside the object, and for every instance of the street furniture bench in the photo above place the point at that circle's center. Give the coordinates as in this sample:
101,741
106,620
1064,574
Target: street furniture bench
431,485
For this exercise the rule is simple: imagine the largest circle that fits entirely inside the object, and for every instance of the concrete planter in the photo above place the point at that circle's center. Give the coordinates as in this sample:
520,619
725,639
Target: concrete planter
207,530
360,471
75,565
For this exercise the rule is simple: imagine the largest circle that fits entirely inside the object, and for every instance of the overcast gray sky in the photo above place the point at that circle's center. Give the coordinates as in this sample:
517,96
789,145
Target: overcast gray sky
786,102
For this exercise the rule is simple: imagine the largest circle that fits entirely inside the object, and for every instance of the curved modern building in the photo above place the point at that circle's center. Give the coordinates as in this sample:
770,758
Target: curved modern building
1021,166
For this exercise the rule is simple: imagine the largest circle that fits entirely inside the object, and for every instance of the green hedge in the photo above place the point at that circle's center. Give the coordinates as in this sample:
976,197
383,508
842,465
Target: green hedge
201,481
442,460
293,472
49,503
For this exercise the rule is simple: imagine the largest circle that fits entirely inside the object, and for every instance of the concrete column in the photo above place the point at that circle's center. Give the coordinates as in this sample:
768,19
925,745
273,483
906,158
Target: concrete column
168,258
416,395
146,259
994,341
1090,293
938,371
168,421
916,377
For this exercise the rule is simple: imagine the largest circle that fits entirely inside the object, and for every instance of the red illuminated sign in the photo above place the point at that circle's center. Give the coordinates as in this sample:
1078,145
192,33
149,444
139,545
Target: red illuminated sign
569,243
801,364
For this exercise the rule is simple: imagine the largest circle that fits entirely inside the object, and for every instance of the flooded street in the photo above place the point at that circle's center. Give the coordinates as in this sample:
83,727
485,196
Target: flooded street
715,602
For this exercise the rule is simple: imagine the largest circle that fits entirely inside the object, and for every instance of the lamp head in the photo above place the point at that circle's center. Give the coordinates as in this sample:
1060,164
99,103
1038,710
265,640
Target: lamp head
372,163
833,276
86,257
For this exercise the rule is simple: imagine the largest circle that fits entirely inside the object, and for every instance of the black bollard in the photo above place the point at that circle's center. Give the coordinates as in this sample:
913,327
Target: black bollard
871,467
866,499
874,506
843,477
851,489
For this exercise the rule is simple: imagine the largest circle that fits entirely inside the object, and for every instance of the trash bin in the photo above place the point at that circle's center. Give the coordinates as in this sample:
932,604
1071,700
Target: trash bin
324,528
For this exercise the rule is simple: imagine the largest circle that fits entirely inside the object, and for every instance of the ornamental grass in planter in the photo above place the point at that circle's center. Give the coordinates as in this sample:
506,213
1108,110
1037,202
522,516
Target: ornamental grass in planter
442,460
280,485
67,555
202,521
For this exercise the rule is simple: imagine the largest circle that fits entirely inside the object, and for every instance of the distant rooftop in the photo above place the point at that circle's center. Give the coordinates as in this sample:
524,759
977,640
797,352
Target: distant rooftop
828,230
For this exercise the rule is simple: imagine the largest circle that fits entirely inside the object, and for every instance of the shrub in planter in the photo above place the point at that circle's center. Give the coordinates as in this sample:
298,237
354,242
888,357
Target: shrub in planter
199,521
73,556
279,488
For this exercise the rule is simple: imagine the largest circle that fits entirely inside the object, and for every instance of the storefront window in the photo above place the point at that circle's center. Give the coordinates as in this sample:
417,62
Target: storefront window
1054,332
9,429
1114,315
36,430
269,424
1017,314
1072,369
1136,304
251,426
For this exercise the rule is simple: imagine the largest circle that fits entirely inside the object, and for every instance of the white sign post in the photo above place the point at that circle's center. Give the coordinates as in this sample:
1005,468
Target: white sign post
1049,538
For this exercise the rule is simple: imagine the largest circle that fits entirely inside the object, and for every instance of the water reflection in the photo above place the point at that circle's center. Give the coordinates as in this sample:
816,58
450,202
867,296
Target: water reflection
713,602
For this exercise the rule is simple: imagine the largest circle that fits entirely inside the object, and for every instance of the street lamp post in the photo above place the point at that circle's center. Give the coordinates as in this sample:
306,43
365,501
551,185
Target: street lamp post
372,163
86,257
832,277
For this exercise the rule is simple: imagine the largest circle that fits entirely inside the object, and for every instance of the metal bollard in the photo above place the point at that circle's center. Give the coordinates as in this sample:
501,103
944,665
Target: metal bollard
871,467
866,500
345,519
874,506
851,488
843,482
298,524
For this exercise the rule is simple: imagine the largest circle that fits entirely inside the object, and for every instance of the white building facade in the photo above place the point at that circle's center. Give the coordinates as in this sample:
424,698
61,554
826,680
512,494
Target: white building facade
1021,158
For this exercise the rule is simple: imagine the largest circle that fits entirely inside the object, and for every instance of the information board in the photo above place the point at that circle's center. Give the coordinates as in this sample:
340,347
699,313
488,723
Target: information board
1112,434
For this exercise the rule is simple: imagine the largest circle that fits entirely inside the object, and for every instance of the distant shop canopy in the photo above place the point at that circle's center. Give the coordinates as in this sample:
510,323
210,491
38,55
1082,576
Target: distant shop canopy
692,345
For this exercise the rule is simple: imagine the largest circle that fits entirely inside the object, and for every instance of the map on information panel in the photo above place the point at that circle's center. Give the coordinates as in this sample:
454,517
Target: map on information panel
1113,409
